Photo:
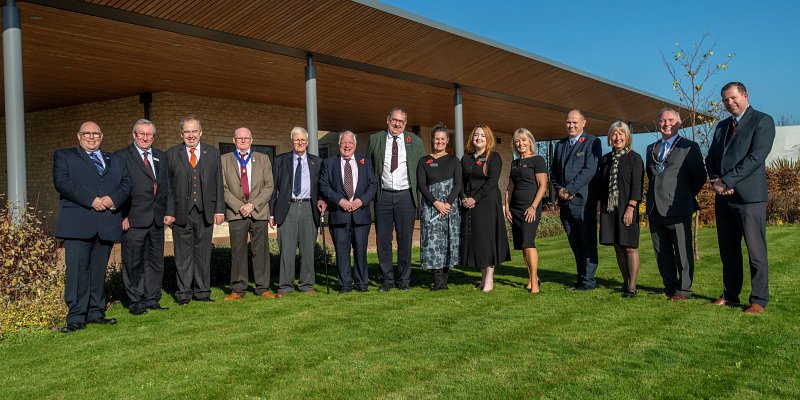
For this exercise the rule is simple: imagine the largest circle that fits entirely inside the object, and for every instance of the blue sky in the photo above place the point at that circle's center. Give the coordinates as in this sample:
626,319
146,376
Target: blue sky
620,40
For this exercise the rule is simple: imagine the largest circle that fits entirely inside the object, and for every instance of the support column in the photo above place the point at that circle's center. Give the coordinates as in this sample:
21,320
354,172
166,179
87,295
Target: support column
459,117
311,106
15,111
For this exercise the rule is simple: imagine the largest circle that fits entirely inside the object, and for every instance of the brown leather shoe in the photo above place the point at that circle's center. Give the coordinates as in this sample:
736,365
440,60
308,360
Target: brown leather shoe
721,301
754,309
268,294
310,292
280,294
233,296
678,297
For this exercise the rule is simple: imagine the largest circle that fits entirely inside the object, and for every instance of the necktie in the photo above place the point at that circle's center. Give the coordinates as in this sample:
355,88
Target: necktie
97,163
192,157
661,149
348,179
394,153
731,131
245,182
298,177
150,170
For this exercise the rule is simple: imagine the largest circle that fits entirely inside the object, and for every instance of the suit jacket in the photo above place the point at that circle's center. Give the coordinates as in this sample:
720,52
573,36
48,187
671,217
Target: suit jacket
415,149
741,164
260,186
210,172
574,168
331,187
672,193
284,183
78,183
144,209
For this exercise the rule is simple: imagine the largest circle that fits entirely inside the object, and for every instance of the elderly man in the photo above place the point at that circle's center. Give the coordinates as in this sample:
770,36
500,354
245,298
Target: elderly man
296,207
349,185
572,170
247,183
675,174
196,179
395,154
144,216
736,166
91,185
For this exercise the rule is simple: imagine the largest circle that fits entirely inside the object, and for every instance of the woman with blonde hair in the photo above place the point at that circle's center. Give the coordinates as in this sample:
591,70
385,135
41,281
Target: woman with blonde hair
484,243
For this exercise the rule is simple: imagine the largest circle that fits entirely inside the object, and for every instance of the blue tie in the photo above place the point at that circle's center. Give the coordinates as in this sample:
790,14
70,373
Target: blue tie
97,163
298,177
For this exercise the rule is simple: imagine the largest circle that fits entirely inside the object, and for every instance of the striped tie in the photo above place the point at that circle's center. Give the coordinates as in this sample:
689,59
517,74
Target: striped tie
97,163
348,179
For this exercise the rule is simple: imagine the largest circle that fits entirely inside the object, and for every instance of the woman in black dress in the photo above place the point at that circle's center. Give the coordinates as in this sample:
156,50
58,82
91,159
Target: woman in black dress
620,192
439,182
526,187
484,242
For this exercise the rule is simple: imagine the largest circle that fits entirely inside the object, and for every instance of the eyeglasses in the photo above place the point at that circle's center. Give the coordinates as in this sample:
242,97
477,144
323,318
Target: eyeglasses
194,132
397,121
300,140
243,139
91,134
145,135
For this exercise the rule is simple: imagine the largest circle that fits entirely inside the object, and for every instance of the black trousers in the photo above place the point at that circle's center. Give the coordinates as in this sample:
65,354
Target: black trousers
735,222
395,211
344,237
143,265
672,242
581,229
84,292
193,257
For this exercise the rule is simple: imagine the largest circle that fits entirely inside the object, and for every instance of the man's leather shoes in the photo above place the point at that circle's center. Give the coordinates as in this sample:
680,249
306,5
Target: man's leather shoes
722,301
582,286
233,296
344,291
157,307
183,302
678,297
103,321
139,310
280,294
754,309
363,289
72,327
310,292
268,295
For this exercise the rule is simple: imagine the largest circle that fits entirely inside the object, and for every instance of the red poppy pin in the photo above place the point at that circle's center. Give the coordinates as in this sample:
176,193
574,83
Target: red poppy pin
361,161
430,161
479,162
408,139
581,139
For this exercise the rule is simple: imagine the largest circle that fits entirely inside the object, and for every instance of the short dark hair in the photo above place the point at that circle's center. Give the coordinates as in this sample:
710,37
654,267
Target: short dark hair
440,127
739,86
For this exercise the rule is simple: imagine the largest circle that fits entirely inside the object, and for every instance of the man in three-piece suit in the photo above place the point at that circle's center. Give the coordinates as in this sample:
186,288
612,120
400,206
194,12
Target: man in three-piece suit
349,185
736,166
395,154
572,170
91,185
247,183
196,182
675,174
144,216
295,206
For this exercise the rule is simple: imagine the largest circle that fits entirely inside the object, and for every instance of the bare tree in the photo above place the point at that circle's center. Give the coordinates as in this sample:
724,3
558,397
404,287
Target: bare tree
786,120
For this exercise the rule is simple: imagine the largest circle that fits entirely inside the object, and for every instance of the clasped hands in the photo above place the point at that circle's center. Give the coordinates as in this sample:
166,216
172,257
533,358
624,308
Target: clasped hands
468,202
565,195
102,203
720,188
442,207
350,206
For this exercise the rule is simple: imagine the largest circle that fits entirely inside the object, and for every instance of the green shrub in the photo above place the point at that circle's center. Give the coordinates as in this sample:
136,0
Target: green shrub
783,183
549,225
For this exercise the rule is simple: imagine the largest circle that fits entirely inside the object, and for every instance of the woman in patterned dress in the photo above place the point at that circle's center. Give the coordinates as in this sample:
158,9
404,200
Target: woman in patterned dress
439,182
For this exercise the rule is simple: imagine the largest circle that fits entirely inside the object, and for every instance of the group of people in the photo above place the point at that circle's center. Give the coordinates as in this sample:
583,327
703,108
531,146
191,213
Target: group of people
130,196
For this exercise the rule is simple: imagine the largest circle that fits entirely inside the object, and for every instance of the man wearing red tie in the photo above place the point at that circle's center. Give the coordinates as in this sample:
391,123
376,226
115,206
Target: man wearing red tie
247,182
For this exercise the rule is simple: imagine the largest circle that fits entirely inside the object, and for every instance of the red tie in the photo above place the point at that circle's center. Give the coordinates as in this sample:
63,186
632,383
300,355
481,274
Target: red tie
192,157
245,182
150,171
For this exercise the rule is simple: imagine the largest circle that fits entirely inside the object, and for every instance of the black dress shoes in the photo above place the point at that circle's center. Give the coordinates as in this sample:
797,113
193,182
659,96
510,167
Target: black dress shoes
157,307
363,289
72,327
582,286
206,299
345,291
139,310
183,302
103,321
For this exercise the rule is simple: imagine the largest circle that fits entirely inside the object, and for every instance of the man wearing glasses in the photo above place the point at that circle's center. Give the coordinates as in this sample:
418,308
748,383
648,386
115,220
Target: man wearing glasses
395,154
143,218
91,185
247,182
296,209
199,204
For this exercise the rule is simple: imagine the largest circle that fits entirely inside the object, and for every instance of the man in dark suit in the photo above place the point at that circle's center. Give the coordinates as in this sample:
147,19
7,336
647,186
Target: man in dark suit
144,216
736,166
247,182
296,208
572,170
91,185
395,154
349,185
199,204
675,174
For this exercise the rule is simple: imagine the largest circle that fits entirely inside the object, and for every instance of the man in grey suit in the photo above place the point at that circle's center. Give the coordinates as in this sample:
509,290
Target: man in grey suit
736,166
675,174
573,168
199,204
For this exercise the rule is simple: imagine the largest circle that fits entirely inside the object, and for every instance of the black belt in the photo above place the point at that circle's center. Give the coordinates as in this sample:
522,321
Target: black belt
394,191
299,200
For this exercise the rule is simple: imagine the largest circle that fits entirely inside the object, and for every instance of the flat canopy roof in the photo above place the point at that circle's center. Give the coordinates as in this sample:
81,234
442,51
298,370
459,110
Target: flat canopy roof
369,58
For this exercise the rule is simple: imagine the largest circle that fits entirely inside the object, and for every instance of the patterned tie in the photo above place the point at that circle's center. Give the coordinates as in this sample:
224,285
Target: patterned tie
192,157
348,179
245,182
97,163
150,171
394,153
298,177
731,131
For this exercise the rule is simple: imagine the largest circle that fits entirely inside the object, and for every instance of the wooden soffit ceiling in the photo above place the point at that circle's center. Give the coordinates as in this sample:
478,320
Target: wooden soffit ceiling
369,57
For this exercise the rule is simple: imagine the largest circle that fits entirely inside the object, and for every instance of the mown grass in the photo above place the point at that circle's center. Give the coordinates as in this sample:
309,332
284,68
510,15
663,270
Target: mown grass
454,344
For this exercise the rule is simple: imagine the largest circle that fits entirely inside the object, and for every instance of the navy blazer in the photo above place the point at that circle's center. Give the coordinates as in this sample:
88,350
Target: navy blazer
283,175
331,188
144,209
78,183
741,164
574,168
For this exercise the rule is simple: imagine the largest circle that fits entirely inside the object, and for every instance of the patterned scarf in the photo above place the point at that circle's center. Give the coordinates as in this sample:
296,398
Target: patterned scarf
613,188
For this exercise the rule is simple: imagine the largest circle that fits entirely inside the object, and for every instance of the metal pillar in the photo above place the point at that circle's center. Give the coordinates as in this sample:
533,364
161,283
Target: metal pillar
15,111
311,106
459,117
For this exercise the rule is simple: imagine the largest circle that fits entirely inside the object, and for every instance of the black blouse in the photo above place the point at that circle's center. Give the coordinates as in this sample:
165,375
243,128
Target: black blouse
434,170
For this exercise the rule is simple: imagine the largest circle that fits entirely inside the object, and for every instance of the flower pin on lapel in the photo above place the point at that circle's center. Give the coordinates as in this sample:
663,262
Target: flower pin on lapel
430,161
581,140
361,161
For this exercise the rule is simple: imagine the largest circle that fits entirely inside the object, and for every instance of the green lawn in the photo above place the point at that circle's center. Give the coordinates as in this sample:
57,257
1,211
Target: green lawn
455,344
